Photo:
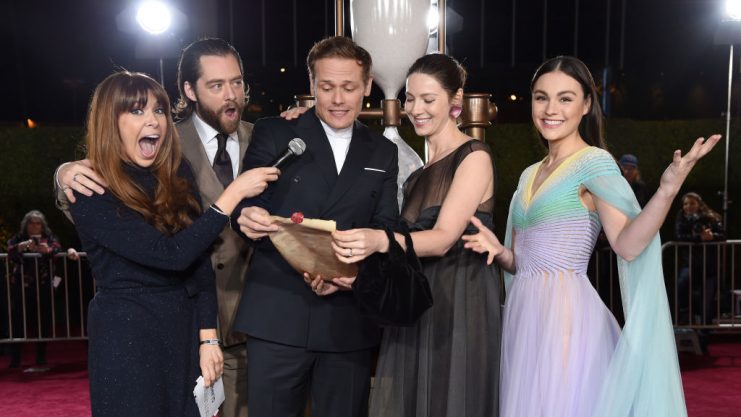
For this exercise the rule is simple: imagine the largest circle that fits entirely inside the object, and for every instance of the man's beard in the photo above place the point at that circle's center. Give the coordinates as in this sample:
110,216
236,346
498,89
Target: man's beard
213,119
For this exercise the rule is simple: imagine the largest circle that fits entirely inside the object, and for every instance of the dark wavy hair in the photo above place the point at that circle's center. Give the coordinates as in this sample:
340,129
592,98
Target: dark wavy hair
590,127
445,69
703,210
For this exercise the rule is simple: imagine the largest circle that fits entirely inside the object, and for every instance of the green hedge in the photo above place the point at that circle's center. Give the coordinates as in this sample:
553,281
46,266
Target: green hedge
29,156
516,146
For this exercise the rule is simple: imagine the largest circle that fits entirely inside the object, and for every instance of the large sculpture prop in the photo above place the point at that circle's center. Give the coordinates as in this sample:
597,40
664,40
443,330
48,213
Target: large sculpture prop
395,33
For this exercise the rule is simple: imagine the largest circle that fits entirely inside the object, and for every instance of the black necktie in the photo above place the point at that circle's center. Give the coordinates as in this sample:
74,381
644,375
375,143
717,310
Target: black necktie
222,161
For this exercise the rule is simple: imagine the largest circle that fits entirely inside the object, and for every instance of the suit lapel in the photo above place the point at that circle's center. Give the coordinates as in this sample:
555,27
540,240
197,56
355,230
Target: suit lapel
361,149
310,130
244,133
208,183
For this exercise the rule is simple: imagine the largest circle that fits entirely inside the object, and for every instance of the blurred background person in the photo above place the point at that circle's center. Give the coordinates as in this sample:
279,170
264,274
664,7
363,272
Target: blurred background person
698,223
31,282
631,173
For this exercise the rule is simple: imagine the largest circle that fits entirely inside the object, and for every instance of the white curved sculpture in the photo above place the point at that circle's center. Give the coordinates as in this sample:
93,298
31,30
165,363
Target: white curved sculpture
395,33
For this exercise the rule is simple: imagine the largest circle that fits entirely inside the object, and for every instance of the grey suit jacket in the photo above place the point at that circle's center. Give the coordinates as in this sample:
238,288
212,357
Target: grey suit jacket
230,252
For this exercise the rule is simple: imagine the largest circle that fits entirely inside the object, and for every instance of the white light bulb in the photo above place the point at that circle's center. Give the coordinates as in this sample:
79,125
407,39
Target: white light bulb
154,17
733,9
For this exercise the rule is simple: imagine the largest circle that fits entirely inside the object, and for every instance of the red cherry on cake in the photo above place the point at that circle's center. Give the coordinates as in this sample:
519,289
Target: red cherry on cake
297,217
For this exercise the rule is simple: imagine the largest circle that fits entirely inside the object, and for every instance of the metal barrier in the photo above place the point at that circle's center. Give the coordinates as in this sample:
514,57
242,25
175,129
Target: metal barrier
703,288
47,303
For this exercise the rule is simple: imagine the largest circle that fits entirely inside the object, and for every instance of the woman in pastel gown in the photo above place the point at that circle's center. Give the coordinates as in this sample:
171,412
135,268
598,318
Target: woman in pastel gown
447,364
563,353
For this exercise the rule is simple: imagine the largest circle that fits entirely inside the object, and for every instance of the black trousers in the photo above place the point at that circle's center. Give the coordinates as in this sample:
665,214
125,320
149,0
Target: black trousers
281,376
32,306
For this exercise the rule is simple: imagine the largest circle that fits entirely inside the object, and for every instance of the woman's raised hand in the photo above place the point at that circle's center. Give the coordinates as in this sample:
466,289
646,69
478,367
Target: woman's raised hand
675,174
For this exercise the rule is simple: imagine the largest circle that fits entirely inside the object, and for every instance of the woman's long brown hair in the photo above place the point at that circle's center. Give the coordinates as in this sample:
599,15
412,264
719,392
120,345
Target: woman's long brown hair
173,205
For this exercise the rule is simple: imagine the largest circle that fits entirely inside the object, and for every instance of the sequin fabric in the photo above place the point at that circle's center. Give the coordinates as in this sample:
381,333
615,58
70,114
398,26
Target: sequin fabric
153,294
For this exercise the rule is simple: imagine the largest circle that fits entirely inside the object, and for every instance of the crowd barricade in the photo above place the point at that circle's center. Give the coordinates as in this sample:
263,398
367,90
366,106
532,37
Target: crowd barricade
46,306
703,286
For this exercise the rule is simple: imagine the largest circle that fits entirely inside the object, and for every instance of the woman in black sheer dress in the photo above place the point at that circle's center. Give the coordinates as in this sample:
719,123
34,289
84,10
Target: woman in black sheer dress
148,247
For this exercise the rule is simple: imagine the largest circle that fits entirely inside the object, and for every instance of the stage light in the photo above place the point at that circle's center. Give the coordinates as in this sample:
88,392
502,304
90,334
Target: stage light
154,17
282,70
733,9
513,97
31,124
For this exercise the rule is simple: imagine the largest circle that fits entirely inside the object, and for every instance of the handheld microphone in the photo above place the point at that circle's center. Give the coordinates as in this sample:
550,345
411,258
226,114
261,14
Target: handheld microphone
296,147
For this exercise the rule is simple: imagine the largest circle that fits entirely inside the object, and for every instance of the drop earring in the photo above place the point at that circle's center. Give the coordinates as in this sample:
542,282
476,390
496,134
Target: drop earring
455,111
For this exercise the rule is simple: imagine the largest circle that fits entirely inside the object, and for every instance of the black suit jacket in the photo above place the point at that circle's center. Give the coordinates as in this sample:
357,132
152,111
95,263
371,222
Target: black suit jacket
276,304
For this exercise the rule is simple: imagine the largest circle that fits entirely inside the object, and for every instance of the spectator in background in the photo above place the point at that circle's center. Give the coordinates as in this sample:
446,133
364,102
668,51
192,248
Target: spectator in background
698,223
5,234
31,282
629,168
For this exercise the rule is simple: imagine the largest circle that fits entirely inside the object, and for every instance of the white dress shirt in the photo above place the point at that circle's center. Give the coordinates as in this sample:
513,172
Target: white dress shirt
339,140
207,134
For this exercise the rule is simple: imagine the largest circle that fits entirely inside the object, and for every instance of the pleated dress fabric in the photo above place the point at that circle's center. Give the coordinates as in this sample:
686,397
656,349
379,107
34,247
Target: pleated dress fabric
561,354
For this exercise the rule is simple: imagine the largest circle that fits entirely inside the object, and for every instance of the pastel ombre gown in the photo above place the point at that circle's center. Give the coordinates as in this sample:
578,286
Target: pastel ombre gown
563,353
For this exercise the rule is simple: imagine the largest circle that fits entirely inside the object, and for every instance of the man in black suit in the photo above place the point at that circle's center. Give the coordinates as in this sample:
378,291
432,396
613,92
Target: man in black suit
300,342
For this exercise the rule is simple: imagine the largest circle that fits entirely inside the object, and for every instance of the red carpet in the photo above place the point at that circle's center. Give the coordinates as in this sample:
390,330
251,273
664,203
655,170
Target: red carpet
711,383
62,391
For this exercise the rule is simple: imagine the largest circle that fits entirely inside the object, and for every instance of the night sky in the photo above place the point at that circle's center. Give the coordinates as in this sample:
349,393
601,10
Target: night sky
54,52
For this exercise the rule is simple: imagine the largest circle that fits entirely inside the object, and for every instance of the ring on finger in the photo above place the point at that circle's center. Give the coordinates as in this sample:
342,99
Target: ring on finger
350,253
74,177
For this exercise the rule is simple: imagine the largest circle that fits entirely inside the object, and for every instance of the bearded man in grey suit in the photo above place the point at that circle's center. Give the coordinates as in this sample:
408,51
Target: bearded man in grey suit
214,139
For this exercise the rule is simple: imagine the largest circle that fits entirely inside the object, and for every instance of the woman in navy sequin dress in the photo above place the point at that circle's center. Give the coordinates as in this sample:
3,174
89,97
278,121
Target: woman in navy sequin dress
148,247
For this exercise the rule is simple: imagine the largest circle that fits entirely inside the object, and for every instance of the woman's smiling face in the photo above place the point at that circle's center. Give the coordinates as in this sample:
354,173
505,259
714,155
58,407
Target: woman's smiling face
558,105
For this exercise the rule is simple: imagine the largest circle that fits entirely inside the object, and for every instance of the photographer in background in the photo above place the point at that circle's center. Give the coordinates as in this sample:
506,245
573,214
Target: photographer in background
698,223
31,280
